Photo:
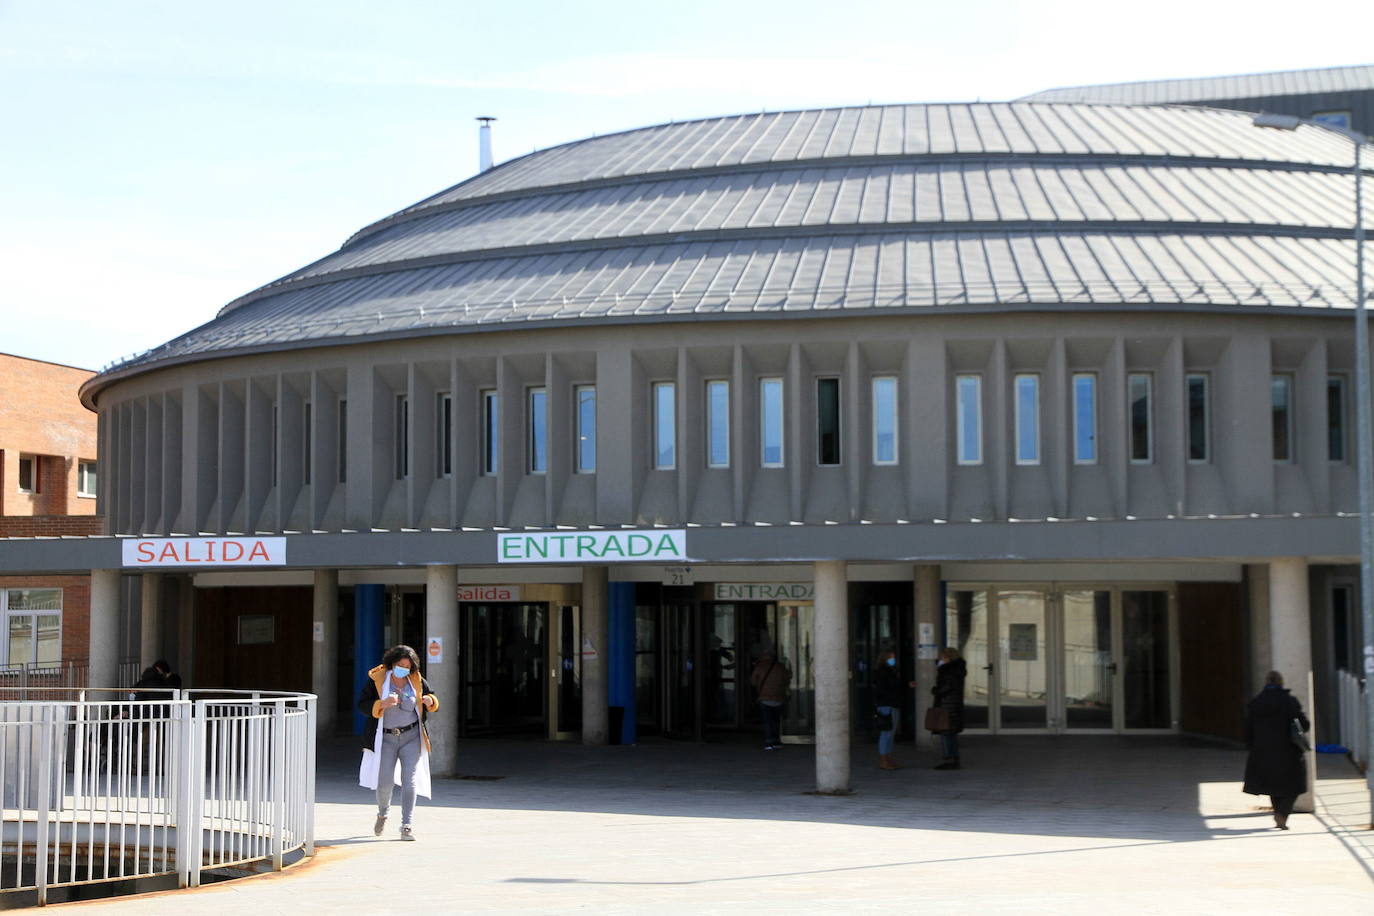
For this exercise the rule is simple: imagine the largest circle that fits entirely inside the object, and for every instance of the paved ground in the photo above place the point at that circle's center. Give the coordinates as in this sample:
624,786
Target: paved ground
1032,825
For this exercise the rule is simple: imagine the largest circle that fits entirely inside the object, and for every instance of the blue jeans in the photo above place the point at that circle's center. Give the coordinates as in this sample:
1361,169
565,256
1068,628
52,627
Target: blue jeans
772,724
886,738
405,748
950,744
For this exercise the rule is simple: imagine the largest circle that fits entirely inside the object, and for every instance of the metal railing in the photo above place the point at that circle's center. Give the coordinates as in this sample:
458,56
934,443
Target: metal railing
107,785
1354,727
66,673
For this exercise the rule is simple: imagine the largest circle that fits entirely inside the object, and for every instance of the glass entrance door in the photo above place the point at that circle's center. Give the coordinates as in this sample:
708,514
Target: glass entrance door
680,684
1090,668
1021,670
504,648
794,629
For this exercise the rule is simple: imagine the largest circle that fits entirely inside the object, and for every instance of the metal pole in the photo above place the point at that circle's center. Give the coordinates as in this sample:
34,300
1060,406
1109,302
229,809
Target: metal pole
1366,465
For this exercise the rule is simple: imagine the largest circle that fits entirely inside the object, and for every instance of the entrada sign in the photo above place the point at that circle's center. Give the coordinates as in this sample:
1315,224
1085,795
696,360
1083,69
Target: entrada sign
592,546
205,552
765,591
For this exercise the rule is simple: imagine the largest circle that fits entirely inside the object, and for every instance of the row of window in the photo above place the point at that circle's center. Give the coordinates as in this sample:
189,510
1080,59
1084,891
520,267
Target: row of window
884,424
30,474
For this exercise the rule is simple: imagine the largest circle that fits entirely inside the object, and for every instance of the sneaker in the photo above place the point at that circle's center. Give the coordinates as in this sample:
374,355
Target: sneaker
379,825
407,833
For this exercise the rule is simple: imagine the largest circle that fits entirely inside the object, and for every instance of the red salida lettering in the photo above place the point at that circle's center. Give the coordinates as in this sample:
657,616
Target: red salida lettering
169,549
145,552
238,551
259,550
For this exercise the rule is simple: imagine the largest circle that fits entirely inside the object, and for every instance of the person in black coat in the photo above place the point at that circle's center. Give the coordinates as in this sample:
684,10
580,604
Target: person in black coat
889,691
1275,766
950,672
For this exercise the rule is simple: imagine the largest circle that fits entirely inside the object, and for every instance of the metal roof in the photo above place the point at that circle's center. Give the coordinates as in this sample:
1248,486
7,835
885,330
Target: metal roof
857,210
1216,88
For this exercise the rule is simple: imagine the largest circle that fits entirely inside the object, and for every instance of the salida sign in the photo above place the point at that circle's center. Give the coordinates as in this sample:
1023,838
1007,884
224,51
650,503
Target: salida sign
205,552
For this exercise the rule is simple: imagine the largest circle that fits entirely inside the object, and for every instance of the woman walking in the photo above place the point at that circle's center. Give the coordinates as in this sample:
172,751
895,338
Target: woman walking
888,690
1275,765
948,693
399,699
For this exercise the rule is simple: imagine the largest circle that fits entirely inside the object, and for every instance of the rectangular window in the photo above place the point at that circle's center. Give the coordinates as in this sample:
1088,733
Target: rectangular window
85,478
443,434
307,453
1339,119
491,432
718,424
402,436
585,398
885,419
771,423
33,626
1140,394
1199,417
665,426
1335,418
968,413
28,474
1281,414
343,440
1084,418
538,436
1027,419
827,421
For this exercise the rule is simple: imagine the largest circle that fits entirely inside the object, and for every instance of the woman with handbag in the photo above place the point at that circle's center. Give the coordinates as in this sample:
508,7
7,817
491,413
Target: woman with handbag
888,692
1275,735
946,715
399,698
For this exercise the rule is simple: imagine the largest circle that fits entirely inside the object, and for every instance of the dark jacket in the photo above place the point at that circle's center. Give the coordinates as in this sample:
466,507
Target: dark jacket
888,687
1275,765
770,679
949,693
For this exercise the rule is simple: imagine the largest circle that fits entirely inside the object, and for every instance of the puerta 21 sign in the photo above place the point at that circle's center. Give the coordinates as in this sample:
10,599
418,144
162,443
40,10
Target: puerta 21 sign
652,545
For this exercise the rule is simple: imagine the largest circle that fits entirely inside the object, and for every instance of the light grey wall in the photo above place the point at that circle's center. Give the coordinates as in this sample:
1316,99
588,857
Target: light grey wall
189,449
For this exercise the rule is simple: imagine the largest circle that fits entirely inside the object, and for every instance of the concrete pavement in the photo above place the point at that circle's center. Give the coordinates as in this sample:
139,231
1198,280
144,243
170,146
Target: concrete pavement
1031,825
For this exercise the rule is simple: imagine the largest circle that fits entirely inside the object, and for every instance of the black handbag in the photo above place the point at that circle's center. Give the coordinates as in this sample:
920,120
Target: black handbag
1295,733
882,721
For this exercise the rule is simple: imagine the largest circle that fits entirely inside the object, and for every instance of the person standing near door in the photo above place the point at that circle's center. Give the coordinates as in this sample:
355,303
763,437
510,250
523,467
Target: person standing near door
1275,765
399,699
888,693
770,679
950,672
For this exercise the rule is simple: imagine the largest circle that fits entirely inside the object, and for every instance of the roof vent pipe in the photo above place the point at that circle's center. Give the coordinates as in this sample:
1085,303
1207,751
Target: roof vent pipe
484,143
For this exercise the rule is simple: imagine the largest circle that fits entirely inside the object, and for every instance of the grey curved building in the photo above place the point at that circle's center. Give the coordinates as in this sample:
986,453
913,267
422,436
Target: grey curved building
1067,386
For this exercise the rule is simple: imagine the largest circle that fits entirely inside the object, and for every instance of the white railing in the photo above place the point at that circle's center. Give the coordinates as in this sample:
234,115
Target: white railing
109,785
1354,726
67,673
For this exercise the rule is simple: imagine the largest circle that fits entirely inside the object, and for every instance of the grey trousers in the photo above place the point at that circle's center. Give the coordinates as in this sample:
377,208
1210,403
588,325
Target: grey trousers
407,748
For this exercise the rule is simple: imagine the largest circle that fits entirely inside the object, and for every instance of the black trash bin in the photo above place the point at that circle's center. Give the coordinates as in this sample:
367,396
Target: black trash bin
617,724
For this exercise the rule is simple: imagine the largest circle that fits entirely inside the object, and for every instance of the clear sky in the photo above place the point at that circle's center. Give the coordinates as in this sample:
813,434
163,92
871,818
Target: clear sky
162,158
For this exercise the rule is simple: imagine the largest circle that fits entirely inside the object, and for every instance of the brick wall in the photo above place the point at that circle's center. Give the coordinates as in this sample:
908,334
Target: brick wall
42,416
29,526
76,609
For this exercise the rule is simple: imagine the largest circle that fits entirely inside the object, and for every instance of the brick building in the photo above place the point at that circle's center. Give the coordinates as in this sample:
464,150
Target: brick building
47,489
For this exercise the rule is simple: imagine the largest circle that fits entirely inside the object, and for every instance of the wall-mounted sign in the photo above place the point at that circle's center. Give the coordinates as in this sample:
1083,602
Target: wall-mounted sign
678,575
204,551
434,650
317,631
481,593
591,546
257,629
1021,646
765,591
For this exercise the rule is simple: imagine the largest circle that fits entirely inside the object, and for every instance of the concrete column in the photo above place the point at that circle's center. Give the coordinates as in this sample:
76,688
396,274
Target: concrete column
595,643
186,630
441,622
1257,580
150,620
832,677
927,595
1290,630
104,652
324,645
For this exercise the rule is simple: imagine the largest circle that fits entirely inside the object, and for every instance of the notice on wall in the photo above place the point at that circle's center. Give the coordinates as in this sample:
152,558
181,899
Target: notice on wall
434,650
589,653
257,629
678,575
1021,645
925,643
317,632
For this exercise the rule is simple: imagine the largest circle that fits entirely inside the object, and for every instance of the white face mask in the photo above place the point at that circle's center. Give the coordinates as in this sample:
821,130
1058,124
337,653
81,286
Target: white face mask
400,673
